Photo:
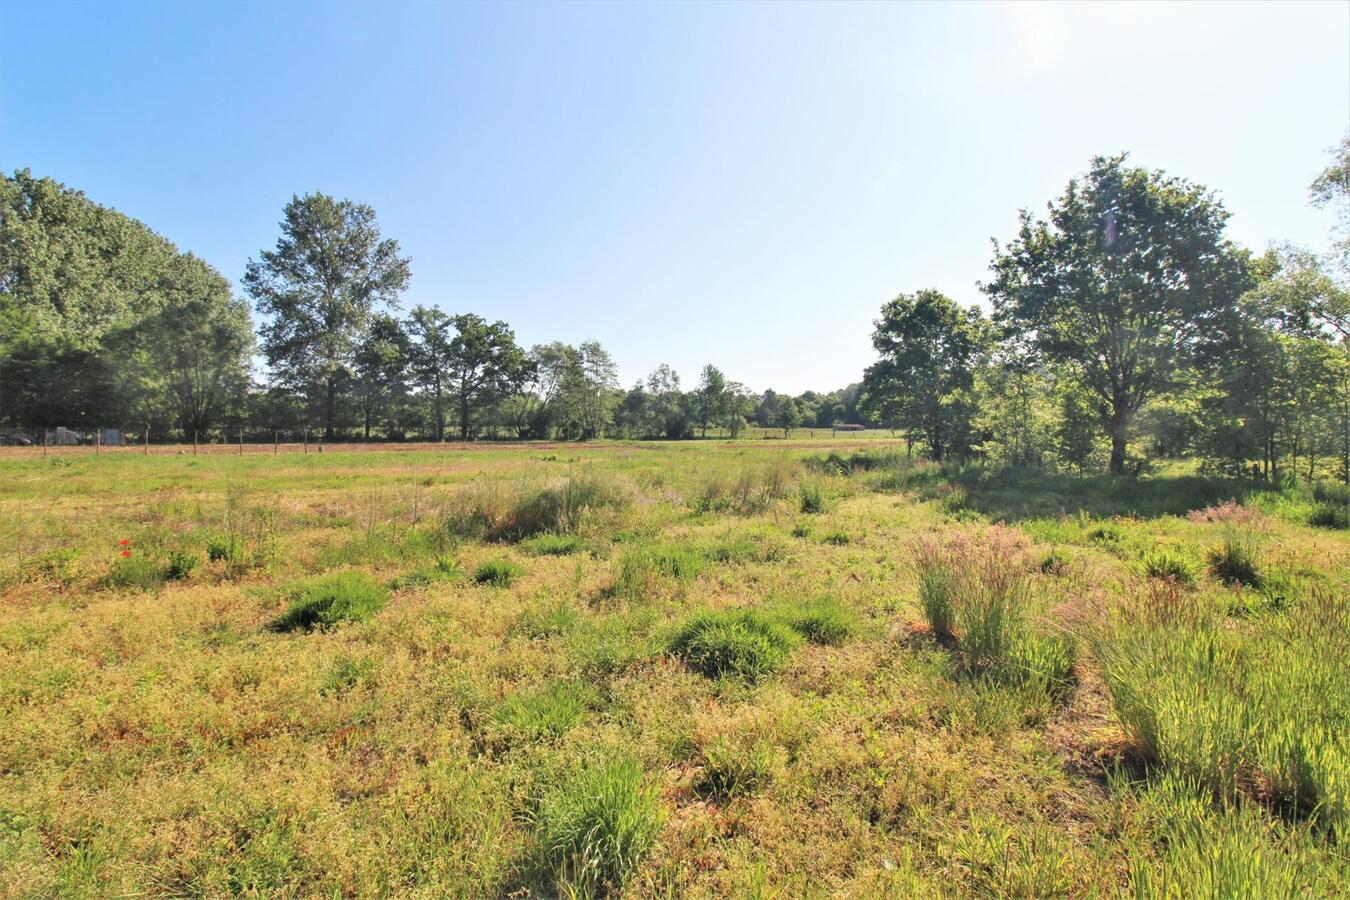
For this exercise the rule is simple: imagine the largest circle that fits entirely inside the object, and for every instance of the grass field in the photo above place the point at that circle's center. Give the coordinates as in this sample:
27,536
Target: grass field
758,668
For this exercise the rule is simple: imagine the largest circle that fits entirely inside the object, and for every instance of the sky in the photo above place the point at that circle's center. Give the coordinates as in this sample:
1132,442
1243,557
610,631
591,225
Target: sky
736,184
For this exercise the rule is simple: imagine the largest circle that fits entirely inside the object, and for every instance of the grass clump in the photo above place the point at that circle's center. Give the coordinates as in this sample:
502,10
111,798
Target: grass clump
552,544
741,643
443,569
823,621
547,712
137,570
499,511
811,497
733,769
180,565
643,567
594,831
497,572
329,599
751,490
837,539
1236,559
1172,564
1330,515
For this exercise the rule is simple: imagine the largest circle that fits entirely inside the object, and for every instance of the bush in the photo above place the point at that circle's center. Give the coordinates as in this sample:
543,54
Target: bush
1330,515
811,497
552,544
496,511
497,572
136,571
741,643
180,565
329,599
731,769
595,830
547,712
1170,564
824,621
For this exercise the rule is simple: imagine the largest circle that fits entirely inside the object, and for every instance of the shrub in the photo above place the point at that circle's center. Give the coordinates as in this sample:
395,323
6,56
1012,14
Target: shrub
547,712
595,830
1170,564
1330,515
329,599
811,497
180,565
218,549
496,511
552,544
824,621
497,572
731,769
953,499
742,643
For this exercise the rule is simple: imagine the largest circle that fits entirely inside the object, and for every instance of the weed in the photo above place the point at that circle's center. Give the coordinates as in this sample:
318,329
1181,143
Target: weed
444,569
1234,561
498,511
641,568
1173,564
732,769
1330,515
811,497
552,544
181,564
837,538
823,621
546,712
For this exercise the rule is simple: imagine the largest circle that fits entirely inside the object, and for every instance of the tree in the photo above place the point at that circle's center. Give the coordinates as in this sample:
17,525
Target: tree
925,378
739,406
669,416
711,397
789,416
1123,282
484,363
1332,188
429,358
382,368
328,273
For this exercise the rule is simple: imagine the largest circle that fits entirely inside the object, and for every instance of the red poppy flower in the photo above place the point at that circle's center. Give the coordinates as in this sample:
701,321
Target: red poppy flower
124,542
126,552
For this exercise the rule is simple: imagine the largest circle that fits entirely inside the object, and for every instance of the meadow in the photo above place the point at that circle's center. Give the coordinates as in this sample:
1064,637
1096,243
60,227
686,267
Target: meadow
755,668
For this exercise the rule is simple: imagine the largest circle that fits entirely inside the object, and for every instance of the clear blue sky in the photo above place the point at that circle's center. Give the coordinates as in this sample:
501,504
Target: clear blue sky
737,184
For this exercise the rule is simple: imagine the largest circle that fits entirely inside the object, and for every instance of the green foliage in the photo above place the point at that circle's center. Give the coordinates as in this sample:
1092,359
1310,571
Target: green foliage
595,829
837,538
139,570
181,564
1235,561
326,600
497,572
742,643
1330,515
641,568
546,712
753,489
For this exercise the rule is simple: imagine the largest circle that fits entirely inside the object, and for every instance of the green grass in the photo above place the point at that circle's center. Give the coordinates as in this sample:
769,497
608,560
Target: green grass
594,831
741,643
821,621
497,572
547,712
1166,563
330,599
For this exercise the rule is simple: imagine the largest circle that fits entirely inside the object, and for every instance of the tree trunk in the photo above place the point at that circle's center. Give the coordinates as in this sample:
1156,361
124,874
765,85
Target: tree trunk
463,416
1119,427
330,409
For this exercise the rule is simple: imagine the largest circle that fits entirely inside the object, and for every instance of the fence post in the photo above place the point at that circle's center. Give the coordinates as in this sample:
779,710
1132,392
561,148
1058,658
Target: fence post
276,441
241,442
147,438
194,442
44,441
307,440
98,439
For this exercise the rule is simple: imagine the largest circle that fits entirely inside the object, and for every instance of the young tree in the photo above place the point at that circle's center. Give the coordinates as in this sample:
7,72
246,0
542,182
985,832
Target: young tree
924,381
789,416
328,273
711,397
669,415
1123,282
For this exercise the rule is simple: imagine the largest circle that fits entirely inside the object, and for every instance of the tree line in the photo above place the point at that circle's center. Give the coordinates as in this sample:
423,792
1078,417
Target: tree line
105,323
1126,325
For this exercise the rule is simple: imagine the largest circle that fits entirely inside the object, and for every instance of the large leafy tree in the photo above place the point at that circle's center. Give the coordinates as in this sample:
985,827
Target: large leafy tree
429,357
484,364
1124,281
382,363
710,400
329,272
930,348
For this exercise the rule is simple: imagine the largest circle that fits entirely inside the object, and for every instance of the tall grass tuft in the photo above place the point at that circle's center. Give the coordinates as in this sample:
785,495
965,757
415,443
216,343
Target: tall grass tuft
497,572
1172,564
1236,559
822,621
1249,707
546,712
596,829
641,568
741,643
502,511
329,599
752,490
